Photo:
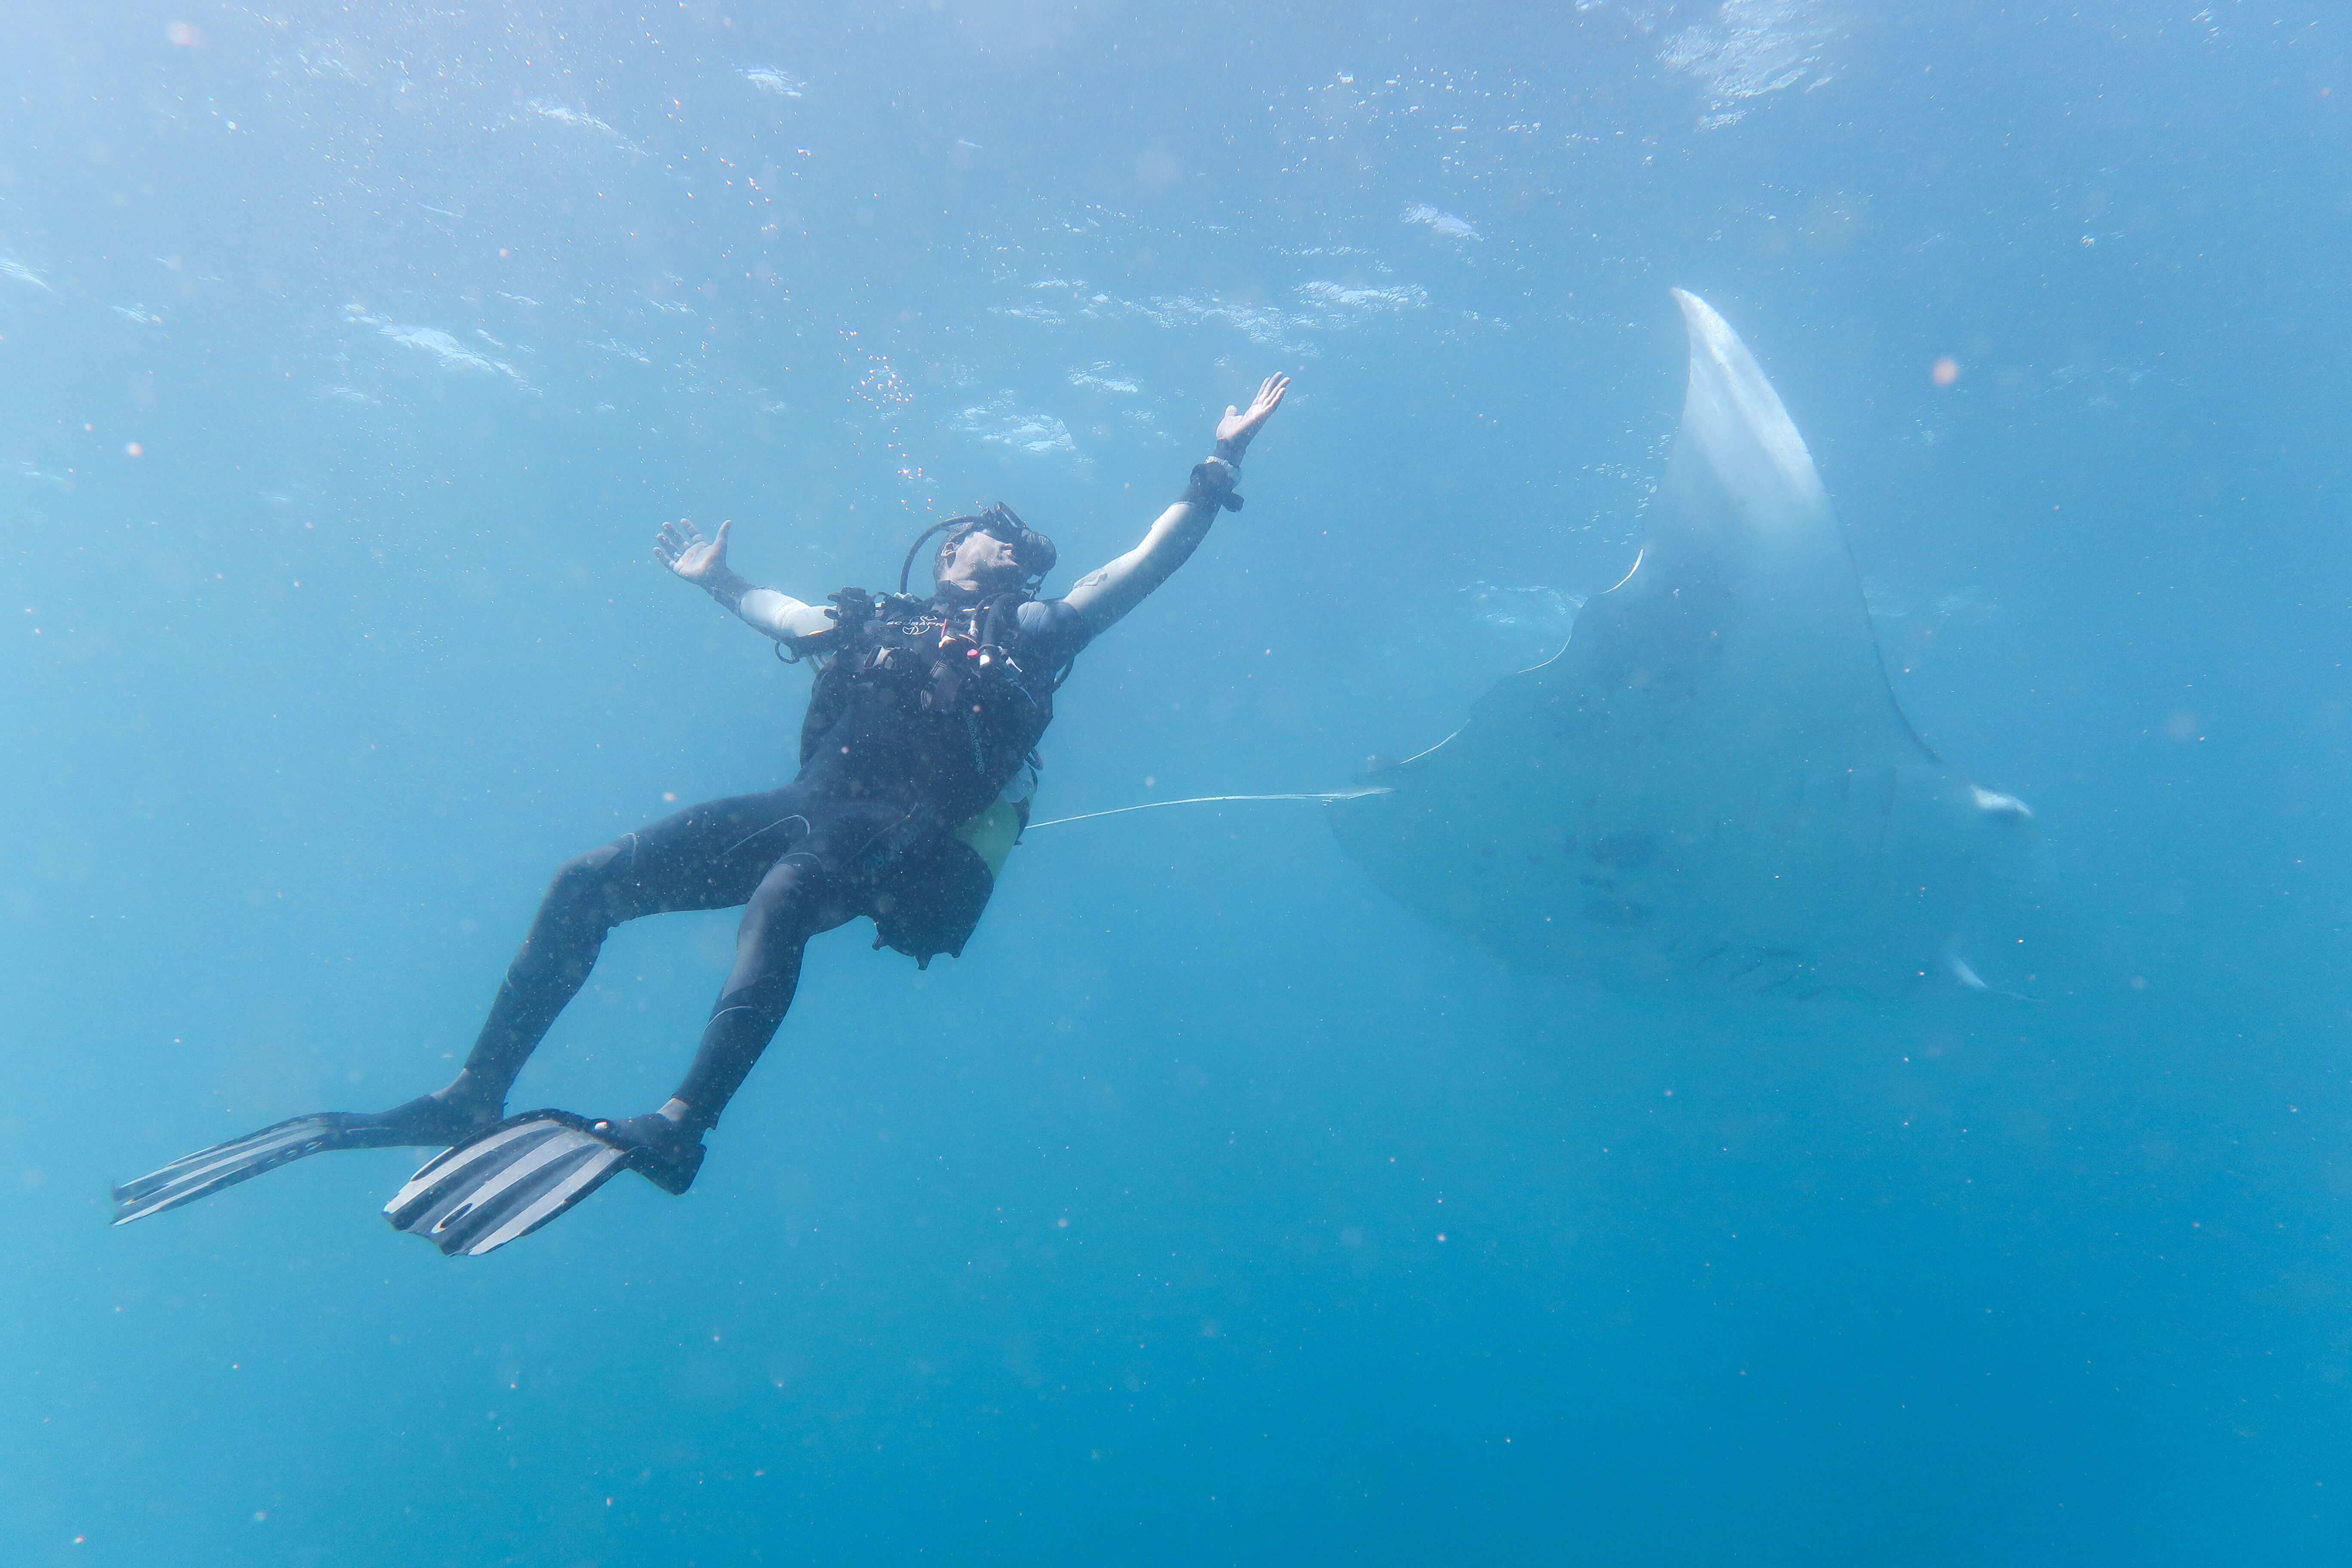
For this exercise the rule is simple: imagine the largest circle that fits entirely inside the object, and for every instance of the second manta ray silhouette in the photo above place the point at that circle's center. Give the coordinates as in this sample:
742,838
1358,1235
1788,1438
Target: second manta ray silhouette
1710,787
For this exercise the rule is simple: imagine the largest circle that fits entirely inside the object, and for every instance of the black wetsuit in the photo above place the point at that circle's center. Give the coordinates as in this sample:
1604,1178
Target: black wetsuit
910,735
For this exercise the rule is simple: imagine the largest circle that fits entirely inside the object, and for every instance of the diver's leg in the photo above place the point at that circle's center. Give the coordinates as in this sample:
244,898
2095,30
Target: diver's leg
796,900
709,857
510,1179
589,896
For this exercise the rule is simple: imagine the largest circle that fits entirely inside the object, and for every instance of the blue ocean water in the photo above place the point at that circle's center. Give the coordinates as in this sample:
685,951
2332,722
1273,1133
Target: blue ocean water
1212,1208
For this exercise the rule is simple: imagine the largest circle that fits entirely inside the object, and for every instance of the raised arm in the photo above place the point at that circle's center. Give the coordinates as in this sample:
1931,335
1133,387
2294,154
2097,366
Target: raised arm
1105,595
703,562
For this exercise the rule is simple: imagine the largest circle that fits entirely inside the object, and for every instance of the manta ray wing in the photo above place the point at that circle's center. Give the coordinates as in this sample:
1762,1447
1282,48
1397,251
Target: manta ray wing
1711,785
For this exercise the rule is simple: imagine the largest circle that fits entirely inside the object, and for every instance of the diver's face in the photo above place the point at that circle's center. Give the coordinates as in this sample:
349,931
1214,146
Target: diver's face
981,561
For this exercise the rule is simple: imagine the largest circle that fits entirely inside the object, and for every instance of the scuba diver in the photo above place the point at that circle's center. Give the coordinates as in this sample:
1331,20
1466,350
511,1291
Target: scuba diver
916,762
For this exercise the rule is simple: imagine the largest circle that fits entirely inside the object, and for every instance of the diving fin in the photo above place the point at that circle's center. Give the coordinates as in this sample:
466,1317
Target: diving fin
508,1179
424,1122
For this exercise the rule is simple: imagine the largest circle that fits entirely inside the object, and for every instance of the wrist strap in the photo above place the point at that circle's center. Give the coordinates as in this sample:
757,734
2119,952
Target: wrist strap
729,590
1230,452
1213,485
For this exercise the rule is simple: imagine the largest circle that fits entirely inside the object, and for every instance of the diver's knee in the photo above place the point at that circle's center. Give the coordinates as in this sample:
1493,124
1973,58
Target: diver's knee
581,880
789,895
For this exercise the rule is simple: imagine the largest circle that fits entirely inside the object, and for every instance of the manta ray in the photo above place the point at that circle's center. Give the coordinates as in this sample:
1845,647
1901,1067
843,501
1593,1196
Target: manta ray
1710,787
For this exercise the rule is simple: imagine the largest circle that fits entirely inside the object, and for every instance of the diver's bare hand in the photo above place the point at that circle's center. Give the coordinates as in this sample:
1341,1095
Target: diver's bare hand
701,561
1239,428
